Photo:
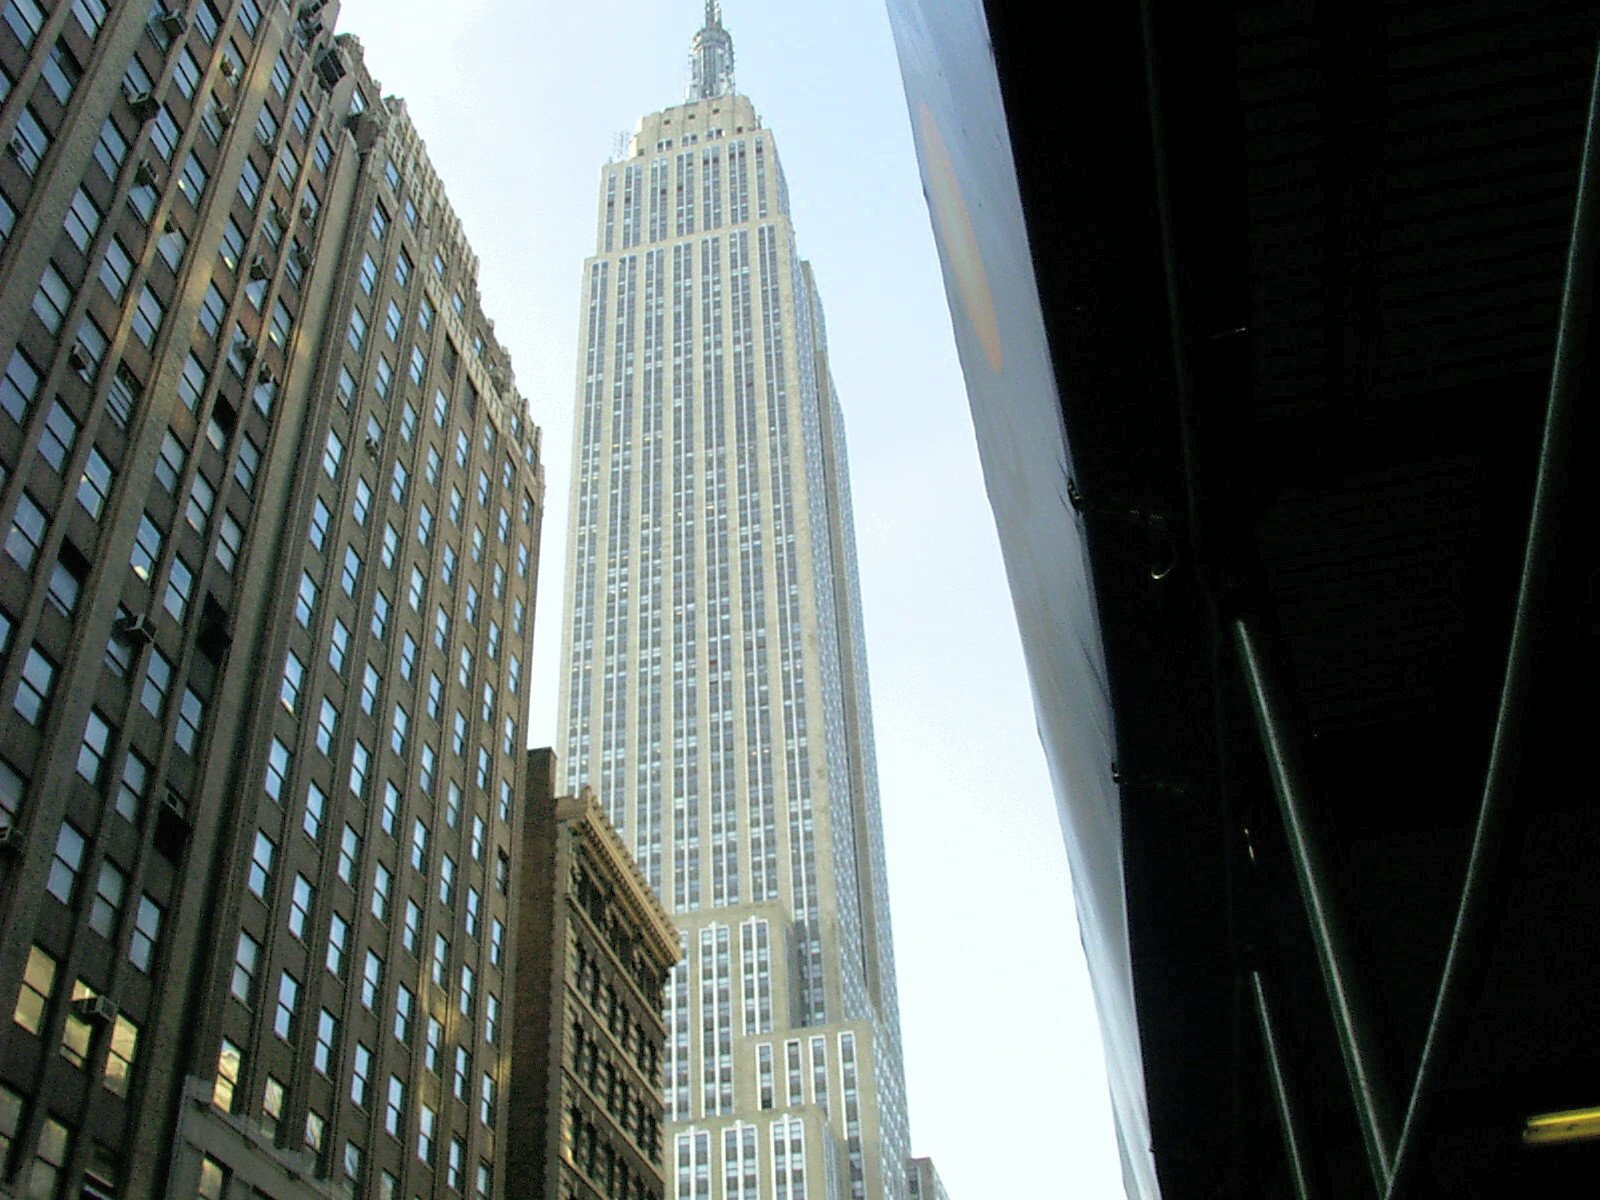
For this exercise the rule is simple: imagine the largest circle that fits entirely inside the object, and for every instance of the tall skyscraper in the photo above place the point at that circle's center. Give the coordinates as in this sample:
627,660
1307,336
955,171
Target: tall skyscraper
271,504
716,689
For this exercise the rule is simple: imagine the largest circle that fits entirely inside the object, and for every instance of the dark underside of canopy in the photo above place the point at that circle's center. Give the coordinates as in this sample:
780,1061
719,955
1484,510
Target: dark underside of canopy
1303,268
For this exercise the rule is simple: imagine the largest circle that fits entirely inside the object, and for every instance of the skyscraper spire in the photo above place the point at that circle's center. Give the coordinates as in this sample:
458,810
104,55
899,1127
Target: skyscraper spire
711,57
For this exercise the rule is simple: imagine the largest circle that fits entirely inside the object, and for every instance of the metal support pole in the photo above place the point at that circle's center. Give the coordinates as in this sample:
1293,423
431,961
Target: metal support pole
1556,467
1310,863
1288,1120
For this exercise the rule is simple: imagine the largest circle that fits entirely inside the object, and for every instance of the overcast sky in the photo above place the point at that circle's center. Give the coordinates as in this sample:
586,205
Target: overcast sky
520,103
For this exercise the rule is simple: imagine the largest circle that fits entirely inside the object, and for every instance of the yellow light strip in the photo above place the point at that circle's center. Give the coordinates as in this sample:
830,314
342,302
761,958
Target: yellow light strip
1551,1129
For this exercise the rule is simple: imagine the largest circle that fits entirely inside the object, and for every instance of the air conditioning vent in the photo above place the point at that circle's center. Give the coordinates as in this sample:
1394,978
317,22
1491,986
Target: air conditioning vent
96,1008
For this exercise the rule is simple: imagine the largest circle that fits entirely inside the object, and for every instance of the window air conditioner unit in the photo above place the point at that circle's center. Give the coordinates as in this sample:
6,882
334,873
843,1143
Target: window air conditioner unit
144,174
171,24
224,115
308,210
302,256
259,269
78,358
174,804
96,1008
372,446
10,839
144,106
229,71
265,138
264,374
245,349
137,627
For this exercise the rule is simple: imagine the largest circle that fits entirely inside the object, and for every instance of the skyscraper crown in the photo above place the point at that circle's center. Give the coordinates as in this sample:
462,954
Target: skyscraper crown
711,57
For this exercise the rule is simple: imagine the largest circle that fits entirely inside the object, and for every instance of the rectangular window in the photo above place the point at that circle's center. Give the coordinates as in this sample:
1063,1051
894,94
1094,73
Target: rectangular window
230,537
83,220
34,688
380,615
259,878
322,1055
191,718
411,931
301,897
285,1011
382,883
146,548
246,964
146,935
107,903
91,15
327,726
132,787
394,1110
147,317
110,149
427,1131
360,1075
360,763
18,386
338,951
333,455
372,982
38,982
390,815
180,586
29,141
349,855
294,674
121,1055
316,808
338,645
230,1060
248,463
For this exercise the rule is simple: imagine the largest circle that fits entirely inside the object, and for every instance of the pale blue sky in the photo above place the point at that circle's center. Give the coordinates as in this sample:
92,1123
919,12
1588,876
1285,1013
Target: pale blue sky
519,103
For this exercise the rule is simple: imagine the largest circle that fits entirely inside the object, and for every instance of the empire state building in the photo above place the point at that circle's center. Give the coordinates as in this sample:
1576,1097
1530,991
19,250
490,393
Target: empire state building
715,695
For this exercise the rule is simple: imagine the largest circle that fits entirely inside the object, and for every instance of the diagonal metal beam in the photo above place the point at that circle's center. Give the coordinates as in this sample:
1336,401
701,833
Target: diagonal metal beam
1288,1118
1349,1011
1556,469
